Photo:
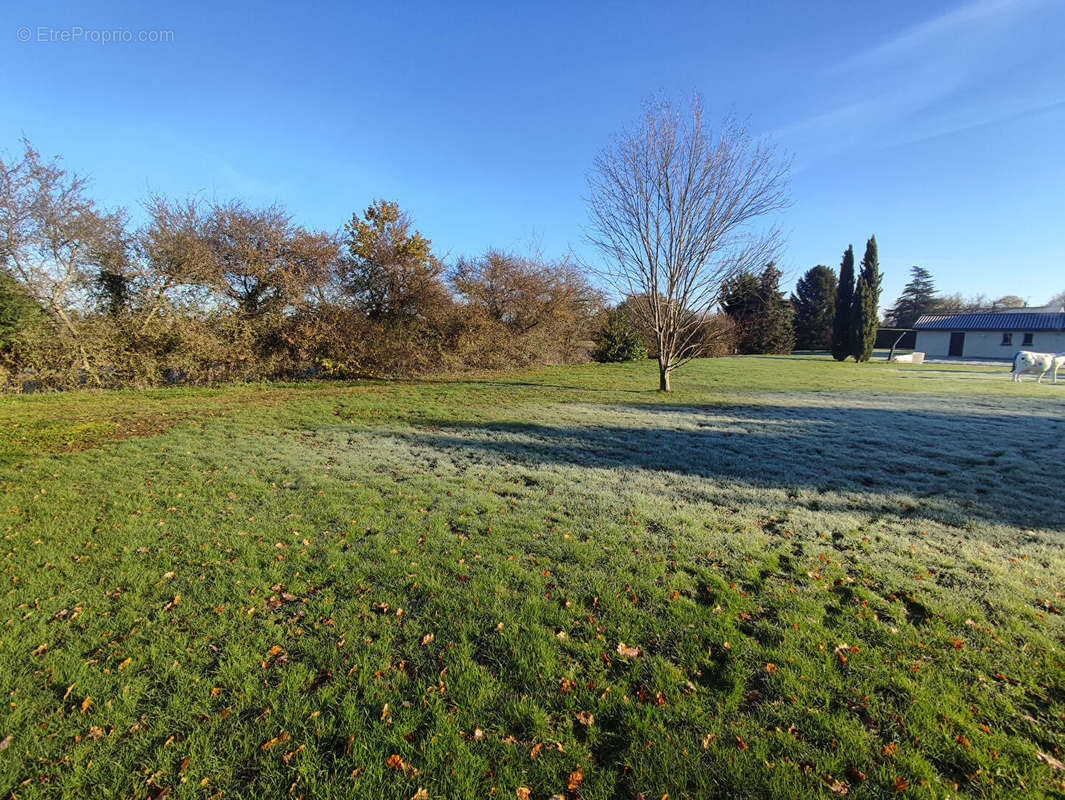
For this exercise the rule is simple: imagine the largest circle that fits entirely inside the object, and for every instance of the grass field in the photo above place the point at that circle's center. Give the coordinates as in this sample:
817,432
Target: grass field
789,578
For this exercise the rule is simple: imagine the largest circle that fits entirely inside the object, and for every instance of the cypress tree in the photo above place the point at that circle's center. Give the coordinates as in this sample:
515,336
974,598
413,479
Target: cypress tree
841,321
866,303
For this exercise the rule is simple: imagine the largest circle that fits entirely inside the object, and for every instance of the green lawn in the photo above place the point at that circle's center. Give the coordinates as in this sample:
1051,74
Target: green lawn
791,578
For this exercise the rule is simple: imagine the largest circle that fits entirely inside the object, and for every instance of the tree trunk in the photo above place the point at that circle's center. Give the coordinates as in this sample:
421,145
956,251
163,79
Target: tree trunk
663,378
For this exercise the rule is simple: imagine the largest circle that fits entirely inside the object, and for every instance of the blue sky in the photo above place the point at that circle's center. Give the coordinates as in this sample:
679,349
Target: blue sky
938,126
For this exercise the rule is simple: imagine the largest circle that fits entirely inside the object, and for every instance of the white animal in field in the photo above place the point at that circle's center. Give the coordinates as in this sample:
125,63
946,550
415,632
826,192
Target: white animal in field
1027,361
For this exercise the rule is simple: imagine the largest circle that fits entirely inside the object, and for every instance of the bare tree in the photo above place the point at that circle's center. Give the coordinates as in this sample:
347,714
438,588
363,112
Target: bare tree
672,205
259,260
171,259
254,259
525,293
54,239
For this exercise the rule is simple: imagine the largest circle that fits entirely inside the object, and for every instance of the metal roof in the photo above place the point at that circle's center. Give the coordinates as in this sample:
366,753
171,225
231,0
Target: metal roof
993,321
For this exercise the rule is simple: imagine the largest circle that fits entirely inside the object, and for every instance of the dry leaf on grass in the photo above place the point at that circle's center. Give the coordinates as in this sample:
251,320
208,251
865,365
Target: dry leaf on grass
585,718
284,736
1050,761
836,785
573,783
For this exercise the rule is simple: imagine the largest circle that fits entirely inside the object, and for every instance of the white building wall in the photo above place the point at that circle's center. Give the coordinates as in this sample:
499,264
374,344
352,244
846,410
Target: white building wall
988,344
933,344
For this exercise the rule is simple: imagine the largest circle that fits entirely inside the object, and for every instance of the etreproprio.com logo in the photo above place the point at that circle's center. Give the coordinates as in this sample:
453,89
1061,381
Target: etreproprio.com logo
46,34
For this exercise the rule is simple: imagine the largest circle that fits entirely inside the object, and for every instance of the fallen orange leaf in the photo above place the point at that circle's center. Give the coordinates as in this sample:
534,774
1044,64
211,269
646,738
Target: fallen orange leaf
575,778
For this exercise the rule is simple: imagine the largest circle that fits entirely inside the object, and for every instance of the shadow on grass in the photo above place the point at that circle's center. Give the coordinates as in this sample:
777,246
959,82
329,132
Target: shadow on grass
995,466
536,385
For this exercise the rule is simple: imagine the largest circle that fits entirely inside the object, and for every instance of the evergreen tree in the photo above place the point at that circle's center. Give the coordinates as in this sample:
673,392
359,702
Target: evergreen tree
917,299
617,339
762,314
814,302
776,333
866,302
741,299
841,320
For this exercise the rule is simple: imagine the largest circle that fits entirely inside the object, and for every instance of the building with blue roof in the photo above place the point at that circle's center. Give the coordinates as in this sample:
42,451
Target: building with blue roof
991,334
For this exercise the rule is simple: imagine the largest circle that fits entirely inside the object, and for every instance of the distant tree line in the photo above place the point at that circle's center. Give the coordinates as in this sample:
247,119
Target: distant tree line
819,297
211,291
840,313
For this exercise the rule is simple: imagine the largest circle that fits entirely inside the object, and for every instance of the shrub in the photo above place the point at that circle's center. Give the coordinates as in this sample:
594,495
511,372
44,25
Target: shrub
618,339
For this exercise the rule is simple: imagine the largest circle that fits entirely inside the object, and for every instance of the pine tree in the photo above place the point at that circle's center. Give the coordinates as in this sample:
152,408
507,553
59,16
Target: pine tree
761,313
865,304
741,299
841,321
776,333
917,299
814,302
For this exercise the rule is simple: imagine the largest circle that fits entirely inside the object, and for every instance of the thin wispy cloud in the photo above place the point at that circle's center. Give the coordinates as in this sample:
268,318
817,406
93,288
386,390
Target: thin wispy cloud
975,121
959,23
901,86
